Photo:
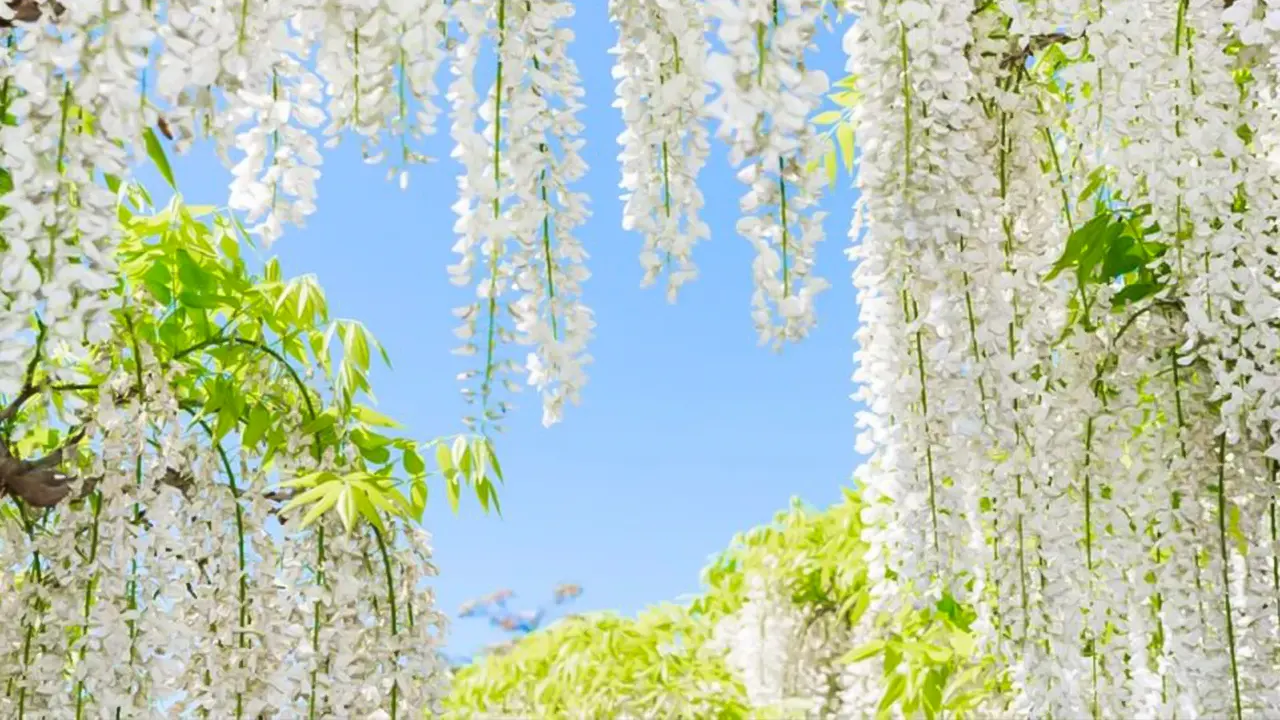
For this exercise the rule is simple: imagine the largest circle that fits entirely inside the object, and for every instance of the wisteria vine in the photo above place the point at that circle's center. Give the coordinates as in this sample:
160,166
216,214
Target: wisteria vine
1068,288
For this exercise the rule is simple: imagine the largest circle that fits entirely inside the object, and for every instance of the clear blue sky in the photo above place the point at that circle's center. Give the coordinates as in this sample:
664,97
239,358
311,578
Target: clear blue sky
688,432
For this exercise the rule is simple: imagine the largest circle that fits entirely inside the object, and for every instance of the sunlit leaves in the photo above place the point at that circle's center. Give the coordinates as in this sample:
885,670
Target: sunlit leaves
838,125
156,152
1116,248
930,663
926,663
470,461
222,318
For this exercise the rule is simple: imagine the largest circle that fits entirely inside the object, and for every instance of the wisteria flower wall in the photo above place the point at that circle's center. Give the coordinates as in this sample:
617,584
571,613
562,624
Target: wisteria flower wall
1064,266
1064,252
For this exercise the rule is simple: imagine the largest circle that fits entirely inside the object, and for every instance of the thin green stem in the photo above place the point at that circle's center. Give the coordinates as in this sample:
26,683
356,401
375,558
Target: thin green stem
546,251
316,621
288,368
1272,470
1226,572
137,476
495,251
243,30
1088,495
37,576
974,350
912,316
391,603
904,57
355,76
1007,224
1179,30
242,590
786,231
89,590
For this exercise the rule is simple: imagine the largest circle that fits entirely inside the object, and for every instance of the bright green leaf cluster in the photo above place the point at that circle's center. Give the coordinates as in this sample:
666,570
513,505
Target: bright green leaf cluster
663,661
1116,247
256,362
839,132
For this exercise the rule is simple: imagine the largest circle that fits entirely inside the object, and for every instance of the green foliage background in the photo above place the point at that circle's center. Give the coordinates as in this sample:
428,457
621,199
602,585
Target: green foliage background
663,663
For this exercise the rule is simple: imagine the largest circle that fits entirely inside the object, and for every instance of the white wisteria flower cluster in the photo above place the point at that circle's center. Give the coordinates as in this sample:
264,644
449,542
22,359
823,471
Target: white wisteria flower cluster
765,97
169,587
1069,338
662,94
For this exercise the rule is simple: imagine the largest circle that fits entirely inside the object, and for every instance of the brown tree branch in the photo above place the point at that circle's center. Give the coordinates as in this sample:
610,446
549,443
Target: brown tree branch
1036,43
28,11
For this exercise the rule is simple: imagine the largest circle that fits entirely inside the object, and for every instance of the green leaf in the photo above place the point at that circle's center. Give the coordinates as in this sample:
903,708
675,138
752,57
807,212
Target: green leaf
444,459
228,419
1237,535
452,491
259,420
493,499
230,246
844,137
375,455
192,299
418,498
369,416
323,421
157,280
310,496
894,690
1134,292
462,456
963,643
1095,181
931,692
364,439
347,510
355,340
413,462
323,505
387,500
828,117
156,152
365,507
1123,257
493,458
863,652
1078,244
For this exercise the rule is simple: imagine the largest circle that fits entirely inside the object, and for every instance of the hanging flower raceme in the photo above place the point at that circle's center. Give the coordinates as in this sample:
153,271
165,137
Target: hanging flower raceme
549,261
765,97
171,530
65,98
86,89
1065,352
517,212
662,92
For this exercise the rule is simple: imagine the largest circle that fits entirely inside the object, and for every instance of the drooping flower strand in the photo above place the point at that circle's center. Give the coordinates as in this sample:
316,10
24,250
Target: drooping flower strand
662,94
69,99
482,190
1126,369
548,260
516,186
765,96
381,62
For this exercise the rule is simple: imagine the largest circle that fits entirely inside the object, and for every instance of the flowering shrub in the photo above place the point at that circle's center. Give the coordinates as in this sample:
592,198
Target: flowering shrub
206,518
781,630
